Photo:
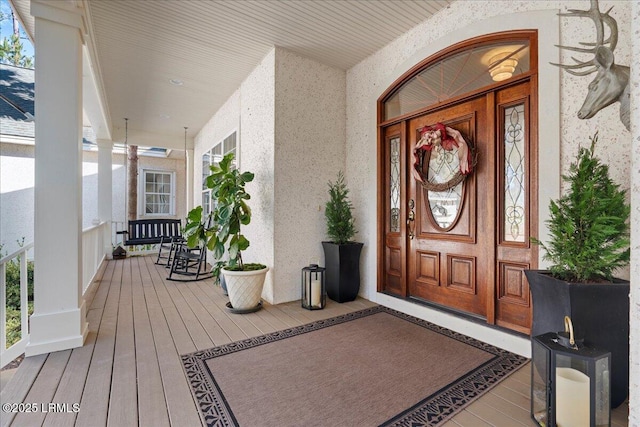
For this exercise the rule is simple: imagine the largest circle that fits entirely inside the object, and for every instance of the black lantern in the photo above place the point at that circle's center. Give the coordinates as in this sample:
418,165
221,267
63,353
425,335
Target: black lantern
570,384
314,295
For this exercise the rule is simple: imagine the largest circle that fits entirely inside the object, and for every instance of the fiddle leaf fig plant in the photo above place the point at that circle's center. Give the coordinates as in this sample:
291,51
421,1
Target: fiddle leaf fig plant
588,226
221,230
338,212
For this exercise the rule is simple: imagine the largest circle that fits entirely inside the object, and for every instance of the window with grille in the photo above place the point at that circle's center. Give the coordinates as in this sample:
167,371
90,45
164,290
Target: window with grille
210,158
159,192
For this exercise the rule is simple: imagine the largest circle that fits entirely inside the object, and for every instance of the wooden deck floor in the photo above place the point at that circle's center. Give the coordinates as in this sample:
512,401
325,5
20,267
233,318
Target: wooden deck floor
129,371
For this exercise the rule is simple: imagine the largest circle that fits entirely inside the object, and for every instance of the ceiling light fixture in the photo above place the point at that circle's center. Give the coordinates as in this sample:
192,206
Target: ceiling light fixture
502,66
176,82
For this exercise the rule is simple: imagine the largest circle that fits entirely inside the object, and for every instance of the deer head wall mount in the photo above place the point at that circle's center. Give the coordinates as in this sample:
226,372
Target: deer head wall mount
611,83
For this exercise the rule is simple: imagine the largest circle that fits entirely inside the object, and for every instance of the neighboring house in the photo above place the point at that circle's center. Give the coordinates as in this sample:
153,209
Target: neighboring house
17,151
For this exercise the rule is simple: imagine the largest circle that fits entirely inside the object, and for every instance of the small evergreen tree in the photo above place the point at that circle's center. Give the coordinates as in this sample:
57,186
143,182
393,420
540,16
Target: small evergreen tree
340,221
589,225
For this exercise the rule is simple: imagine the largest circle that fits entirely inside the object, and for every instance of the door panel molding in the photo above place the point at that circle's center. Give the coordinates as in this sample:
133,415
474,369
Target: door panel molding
471,265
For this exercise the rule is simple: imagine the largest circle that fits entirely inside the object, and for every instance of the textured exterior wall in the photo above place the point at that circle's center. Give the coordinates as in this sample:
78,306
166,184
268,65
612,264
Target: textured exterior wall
250,111
17,181
257,155
634,374
291,112
309,151
561,131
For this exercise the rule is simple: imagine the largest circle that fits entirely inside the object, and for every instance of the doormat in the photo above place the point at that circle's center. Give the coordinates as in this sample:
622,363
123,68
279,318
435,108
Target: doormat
372,367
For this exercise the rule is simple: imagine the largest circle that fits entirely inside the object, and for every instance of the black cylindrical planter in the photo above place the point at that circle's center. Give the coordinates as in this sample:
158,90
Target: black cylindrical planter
599,313
342,275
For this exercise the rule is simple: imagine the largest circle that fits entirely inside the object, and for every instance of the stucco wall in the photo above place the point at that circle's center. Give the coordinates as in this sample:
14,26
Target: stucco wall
17,183
634,174
250,111
309,151
291,114
561,131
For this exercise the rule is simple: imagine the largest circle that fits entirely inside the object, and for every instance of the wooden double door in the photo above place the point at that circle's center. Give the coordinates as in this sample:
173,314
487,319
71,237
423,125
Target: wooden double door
464,248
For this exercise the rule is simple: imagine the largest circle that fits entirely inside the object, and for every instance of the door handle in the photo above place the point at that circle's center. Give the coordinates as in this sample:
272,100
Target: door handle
411,219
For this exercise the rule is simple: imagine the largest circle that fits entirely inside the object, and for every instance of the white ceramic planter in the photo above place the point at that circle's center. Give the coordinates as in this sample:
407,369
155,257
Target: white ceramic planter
245,287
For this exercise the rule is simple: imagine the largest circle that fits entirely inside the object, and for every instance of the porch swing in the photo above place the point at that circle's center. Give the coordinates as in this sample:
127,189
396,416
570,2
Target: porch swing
162,231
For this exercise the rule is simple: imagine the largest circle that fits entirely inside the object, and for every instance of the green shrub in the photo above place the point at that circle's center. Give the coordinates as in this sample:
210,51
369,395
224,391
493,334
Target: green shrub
13,324
589,229
340,221
13,283
13,298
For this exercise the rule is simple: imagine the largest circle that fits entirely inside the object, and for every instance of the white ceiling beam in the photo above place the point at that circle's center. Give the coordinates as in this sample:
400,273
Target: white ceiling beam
151,139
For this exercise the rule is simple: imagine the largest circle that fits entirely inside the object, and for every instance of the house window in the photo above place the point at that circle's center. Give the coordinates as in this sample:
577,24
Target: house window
213,157
159,192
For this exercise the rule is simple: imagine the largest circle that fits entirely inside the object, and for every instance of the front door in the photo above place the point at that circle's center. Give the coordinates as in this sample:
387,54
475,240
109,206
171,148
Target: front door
451,239
465,247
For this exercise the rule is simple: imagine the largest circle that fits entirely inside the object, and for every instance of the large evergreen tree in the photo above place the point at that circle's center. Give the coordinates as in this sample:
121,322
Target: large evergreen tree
11,48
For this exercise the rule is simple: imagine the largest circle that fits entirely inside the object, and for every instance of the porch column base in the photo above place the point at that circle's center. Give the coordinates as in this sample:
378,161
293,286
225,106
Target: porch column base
57,331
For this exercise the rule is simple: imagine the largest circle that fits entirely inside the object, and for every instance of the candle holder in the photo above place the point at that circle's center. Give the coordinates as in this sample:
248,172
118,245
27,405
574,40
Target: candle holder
570,383
314,296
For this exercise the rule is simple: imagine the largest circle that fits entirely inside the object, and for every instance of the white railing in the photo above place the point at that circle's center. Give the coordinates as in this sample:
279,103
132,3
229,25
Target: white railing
93,253
117,238
18,258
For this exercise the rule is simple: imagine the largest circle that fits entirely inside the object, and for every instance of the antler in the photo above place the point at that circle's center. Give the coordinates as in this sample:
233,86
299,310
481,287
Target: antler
599,20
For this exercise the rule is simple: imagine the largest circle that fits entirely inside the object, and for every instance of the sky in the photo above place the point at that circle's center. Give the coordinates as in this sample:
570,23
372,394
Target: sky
6,28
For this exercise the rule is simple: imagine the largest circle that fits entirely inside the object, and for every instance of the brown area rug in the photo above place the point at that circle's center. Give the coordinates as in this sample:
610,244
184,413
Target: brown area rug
373,367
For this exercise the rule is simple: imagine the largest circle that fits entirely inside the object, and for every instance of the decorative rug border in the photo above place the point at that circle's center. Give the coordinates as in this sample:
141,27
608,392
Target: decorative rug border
431,411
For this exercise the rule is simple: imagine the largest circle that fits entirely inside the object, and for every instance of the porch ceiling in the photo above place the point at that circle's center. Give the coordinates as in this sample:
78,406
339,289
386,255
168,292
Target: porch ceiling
212,46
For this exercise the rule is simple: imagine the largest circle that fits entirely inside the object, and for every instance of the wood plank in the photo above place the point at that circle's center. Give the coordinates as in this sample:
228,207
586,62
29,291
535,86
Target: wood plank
95,398
123,400
505,407
208,322
199,336
156,326
179,332
206,296
100,297
18,387
276,318
72,383
491,416
43,389
152,408
247,327
179,401
467,419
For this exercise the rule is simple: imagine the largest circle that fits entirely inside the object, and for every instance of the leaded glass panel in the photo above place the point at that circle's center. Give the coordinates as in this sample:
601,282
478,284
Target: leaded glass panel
459,74
514,174
395,185
444,205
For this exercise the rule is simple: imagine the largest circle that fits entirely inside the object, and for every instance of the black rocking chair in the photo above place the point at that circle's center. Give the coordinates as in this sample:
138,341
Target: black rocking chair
190,263
167,248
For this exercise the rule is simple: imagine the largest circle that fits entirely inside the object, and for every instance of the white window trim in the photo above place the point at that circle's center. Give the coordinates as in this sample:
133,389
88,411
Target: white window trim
210,152
142,211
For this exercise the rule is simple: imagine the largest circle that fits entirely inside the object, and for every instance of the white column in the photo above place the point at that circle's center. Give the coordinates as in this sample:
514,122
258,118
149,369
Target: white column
58,321
634,315
189,182
105,186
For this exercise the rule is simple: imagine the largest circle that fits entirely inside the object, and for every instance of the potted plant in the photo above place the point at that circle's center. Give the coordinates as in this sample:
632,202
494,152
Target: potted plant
222,234
341,253
589,240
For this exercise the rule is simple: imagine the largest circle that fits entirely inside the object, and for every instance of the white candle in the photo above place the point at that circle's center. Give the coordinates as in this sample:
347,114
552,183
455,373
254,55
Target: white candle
572,398
316,292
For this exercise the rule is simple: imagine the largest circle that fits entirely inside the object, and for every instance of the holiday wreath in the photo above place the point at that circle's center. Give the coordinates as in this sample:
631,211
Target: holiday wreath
441,137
